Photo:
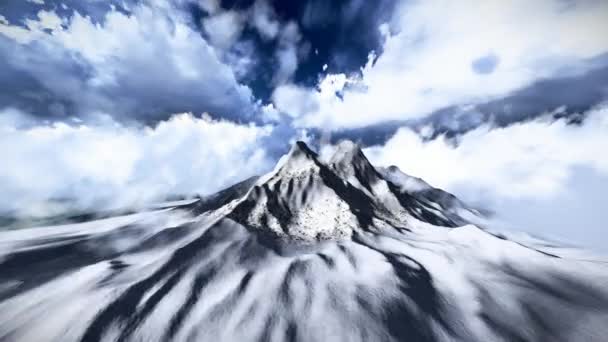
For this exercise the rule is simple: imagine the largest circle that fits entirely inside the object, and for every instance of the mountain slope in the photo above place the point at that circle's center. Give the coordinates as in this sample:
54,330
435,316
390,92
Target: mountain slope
312,251
304,199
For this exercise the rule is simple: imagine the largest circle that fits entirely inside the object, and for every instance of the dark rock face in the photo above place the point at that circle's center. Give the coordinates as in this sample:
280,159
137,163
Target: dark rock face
313,251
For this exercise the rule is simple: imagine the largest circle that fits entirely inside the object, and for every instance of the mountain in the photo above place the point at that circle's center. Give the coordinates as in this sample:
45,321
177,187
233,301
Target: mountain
315,250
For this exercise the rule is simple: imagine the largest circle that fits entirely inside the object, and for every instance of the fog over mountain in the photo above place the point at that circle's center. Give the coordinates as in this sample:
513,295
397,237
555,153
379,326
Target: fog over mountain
318,249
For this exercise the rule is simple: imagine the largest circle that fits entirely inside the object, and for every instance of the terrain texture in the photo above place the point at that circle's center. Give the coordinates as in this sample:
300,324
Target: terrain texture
316,250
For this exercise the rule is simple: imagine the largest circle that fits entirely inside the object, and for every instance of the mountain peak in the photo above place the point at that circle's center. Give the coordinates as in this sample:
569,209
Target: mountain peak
299,159
346,151
404,181
305,198
350,163
301,149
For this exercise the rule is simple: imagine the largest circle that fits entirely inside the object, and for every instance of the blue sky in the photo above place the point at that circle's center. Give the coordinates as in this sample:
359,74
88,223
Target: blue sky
125,102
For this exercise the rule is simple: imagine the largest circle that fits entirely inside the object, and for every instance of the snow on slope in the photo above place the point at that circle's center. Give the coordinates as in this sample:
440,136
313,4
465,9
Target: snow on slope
309,252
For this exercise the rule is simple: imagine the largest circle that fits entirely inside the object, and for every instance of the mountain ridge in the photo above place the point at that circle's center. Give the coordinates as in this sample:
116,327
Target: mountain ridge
325,200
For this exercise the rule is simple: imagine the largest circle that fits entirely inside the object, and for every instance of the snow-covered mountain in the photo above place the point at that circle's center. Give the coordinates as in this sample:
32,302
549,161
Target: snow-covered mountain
316,250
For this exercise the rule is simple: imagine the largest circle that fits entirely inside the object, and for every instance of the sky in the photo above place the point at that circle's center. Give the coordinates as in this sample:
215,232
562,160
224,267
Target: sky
120,103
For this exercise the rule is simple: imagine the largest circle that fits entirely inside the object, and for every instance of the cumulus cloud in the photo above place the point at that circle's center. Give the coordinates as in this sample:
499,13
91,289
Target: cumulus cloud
140,65
444,53
294,100
297,101
243,59
529,159
112,165
224,28
524,172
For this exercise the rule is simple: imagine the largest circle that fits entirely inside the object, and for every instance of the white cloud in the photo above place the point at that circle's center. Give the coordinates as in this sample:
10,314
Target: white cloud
147,63
287,52
297,101
541,177
224,28
210,6
114,166
270,113
243,59
294,100
524,160
34,28
264,20
447,53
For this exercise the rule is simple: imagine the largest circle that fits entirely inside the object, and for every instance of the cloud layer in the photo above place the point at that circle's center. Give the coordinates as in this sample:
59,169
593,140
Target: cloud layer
530,159
112,166
439,53
136,66
543,176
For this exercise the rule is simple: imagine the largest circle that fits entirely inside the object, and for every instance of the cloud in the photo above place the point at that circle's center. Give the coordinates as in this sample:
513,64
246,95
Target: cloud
243,59
287,52
297,101
294,100
529,159
343,33
439,53
264,19
113,165
137,66
224,28
485,64
210,6
519,171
